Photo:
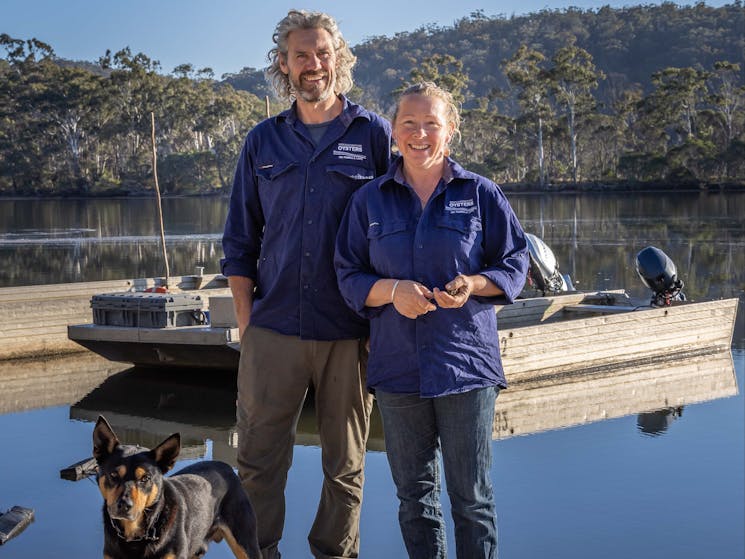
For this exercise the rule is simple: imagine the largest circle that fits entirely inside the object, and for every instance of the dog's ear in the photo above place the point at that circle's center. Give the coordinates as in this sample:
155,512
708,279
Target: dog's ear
104,439
165,453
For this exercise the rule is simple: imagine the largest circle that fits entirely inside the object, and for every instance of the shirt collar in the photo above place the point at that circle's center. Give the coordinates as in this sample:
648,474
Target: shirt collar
395,172
349,112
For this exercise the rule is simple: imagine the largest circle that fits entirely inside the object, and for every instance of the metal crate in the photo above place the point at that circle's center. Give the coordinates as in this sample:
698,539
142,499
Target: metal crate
147,310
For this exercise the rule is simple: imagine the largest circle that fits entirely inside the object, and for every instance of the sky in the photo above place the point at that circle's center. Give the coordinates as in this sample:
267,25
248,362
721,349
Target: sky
228,35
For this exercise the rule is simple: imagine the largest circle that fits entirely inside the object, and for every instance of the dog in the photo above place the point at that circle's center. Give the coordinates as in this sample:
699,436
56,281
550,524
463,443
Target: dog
147,515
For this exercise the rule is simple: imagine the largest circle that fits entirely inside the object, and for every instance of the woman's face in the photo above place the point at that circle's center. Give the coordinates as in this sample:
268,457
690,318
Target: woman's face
421,130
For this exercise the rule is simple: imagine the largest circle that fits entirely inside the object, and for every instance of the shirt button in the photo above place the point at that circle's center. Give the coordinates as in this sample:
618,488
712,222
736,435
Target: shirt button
421,246
307,254
306,286
310,222
312,189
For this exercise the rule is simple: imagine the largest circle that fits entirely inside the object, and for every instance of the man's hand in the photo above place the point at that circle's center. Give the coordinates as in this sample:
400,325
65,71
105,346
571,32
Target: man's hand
242,289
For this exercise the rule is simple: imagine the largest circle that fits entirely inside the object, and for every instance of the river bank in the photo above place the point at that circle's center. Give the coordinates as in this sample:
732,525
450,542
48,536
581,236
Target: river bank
519,187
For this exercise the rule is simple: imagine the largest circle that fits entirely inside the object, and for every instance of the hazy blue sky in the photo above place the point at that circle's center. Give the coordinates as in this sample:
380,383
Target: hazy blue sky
227,35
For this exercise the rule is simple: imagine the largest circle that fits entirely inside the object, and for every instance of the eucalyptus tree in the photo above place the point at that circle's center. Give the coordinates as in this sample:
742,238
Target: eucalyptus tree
485,143
185,99
70,99
226,120
136,90
25,135
526,72
573,76
443,69
675,100
726,94
624,126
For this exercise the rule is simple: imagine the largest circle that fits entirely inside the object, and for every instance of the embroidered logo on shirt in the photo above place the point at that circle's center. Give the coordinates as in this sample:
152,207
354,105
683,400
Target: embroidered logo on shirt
350,151
461,206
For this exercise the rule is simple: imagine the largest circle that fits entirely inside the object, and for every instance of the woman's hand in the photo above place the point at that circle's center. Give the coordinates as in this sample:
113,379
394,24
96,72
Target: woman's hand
456,293
412,299
461,287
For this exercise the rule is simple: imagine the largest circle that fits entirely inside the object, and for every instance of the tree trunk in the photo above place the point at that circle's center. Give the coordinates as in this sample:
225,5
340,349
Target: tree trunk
572,141
541,162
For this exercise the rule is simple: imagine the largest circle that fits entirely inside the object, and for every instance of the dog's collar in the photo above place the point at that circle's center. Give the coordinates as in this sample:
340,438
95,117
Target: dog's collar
151,534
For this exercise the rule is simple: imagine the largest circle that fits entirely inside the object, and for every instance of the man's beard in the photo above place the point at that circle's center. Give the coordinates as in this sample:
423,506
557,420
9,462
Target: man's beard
313,94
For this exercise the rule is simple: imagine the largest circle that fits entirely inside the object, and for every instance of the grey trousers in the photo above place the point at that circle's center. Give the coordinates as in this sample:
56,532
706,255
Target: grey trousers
273,378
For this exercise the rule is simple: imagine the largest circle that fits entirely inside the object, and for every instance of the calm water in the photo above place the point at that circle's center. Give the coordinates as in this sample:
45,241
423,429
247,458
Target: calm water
643,463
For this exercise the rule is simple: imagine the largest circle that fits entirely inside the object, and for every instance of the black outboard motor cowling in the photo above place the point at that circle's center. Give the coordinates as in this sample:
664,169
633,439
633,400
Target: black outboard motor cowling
657,271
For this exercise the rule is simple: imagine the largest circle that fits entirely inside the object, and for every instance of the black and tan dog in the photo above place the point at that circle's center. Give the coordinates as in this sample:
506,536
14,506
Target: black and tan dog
148,515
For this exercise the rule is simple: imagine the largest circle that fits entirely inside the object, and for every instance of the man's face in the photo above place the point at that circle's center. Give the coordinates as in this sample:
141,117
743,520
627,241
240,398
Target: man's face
310,64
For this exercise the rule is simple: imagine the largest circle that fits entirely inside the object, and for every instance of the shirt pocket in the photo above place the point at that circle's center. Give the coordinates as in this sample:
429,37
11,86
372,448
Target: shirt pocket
459,235
342,182
278,185
352,174
273,172
390,245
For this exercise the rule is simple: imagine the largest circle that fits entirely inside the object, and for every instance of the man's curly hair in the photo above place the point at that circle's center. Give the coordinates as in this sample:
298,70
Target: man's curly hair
302,19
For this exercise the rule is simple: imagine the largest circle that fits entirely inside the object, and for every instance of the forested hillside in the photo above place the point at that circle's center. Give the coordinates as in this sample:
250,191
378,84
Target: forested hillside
629,45
639,95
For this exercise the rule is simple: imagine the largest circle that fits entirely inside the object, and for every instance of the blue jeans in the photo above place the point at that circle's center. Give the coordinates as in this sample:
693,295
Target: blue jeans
458,427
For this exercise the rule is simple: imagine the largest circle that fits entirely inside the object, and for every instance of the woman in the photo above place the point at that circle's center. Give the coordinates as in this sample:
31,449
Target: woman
424,252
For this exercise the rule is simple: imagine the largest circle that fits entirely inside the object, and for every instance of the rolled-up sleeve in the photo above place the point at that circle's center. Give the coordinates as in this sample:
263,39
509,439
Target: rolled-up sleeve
352,257
241,240
506,249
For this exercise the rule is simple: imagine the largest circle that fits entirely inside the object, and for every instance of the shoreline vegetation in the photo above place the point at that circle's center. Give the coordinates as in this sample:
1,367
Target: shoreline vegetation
510,188
641,98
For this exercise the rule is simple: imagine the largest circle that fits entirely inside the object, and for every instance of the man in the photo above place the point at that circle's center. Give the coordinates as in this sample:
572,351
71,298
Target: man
292,183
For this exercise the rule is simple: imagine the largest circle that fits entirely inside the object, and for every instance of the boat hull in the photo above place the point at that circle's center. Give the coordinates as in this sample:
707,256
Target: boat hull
197,347
578,336
539,338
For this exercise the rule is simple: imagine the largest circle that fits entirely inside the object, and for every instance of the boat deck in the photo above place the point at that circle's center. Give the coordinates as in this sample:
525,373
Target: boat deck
35,318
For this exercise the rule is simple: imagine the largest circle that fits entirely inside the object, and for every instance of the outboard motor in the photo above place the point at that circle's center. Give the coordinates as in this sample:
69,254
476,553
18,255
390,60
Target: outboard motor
658,272
543,273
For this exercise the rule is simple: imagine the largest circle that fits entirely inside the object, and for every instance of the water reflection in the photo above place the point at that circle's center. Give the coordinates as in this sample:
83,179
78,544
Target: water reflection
29,384
548,484
145,406
657,422
595,237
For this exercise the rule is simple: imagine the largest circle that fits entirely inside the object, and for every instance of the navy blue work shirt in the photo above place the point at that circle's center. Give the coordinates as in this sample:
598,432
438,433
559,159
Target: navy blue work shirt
288,198
467,227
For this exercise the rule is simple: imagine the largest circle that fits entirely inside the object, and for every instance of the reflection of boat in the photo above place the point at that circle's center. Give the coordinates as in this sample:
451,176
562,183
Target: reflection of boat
595,395
144,409
28,384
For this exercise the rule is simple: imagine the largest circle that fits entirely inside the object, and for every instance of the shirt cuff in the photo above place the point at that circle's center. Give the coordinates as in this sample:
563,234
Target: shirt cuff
232,267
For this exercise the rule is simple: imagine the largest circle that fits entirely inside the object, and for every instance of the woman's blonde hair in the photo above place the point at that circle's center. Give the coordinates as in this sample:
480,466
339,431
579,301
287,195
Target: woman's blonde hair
302,19
431,89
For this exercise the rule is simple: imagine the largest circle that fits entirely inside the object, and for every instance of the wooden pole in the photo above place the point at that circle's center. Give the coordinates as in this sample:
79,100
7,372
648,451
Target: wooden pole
157,192
266,101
